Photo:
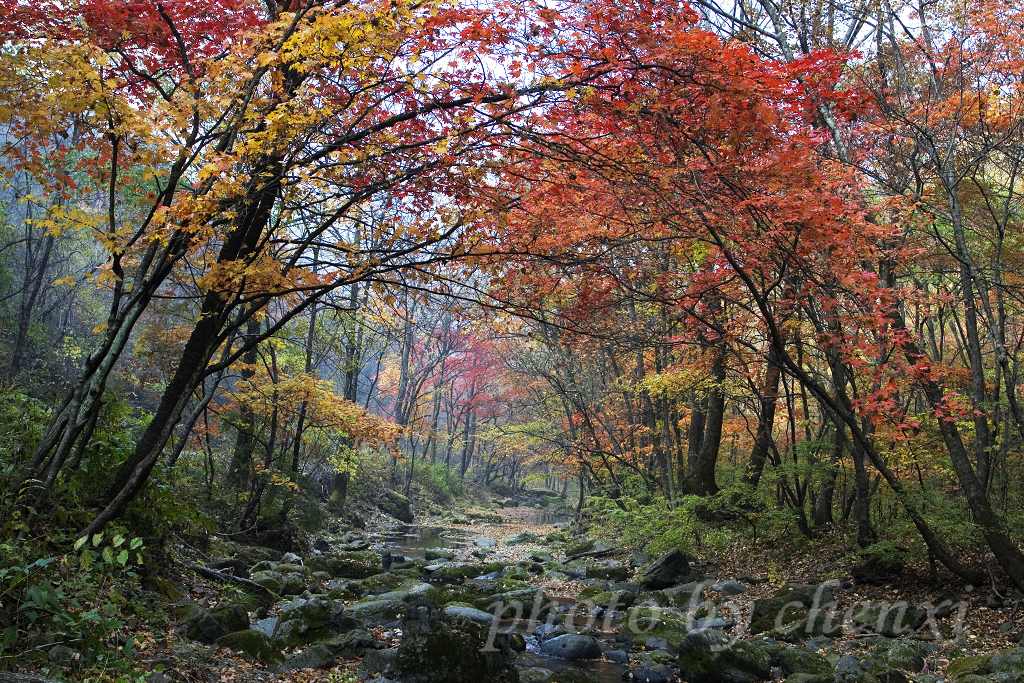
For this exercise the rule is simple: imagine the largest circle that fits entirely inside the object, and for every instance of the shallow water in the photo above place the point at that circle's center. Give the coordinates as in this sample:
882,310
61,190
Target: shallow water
412,540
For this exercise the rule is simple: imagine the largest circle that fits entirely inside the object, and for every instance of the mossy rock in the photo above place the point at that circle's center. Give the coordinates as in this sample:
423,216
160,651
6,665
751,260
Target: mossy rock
810,678
794,660
664,623
438,554
584,546
460,571
354,564
977,665
255,644
207,626
1008,662
451,649
703,659
890,620
902,654
317,656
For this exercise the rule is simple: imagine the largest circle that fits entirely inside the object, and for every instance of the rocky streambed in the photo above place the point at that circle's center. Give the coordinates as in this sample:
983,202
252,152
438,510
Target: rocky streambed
505,596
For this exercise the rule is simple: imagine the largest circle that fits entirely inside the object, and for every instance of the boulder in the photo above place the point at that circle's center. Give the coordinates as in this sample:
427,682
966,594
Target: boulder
652,673
571,647
395,504
903,654
207,625
353,564
484,542
309,618
649,625
890,620
374,611
703,658
438,554
670,569
976,665
256,644
290,583
790,608
318,656
478,616
448,648
792,660
455,572
535,674
878,568
849,669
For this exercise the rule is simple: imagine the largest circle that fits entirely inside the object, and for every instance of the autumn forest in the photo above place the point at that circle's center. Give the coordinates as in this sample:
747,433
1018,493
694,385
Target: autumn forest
458,341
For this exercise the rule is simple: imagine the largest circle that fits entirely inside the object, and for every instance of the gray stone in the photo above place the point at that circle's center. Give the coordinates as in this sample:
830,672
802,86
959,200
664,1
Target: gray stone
571,647
668,570
471,613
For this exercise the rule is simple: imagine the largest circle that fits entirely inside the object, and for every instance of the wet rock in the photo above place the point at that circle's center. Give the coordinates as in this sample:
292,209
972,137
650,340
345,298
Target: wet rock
668,570
206,626
545,631
253,643
445,648
617,656
652,673
395,504
571,647
291,558
703,659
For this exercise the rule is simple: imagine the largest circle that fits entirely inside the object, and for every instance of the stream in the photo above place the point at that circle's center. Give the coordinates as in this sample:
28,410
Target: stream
412,541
